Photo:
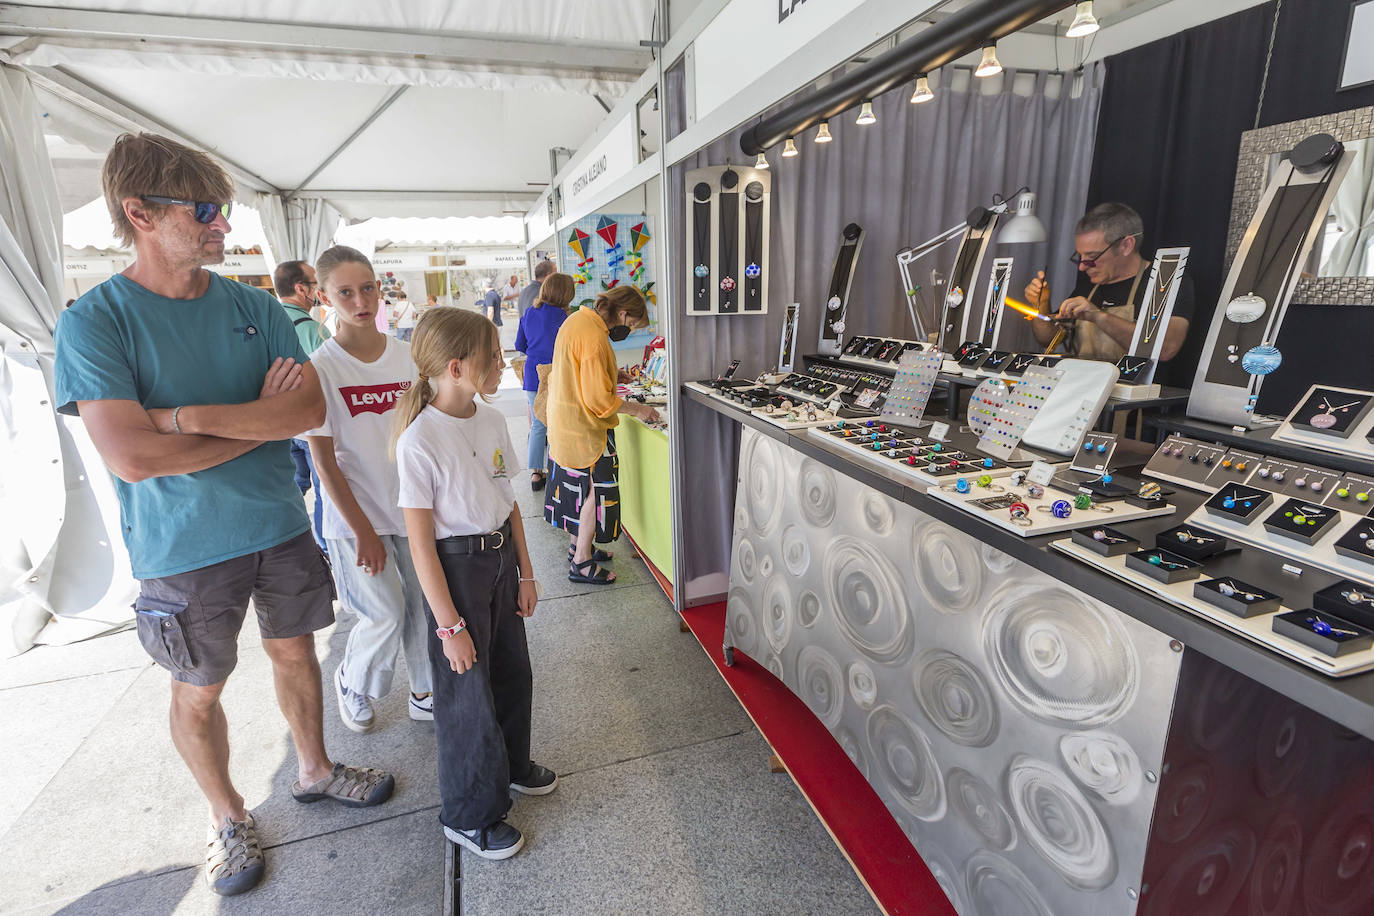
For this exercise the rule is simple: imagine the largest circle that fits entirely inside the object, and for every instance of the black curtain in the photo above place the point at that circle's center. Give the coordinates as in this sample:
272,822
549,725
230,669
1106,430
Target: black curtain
1167,141
1306,69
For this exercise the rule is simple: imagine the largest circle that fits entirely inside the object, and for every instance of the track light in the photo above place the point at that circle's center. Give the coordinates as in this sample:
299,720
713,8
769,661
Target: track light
789,149
761,162
990,65
1084,22
866,115
823,135
922,93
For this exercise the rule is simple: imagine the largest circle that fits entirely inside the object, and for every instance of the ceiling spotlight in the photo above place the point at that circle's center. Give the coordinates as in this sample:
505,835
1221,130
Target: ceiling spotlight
761,162
789,149
989,65
1084,22
866,115
922,93
823,135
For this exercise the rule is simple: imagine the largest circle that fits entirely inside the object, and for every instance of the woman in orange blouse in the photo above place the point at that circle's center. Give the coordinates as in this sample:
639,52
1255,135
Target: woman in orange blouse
583,496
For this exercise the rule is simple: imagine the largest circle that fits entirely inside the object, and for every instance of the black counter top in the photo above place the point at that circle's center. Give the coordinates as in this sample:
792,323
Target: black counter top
1348,701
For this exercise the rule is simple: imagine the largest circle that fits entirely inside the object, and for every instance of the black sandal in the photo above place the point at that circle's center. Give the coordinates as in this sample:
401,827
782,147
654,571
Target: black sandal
599,555
537,482
577,572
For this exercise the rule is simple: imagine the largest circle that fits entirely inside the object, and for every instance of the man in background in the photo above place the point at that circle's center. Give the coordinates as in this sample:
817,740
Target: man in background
530,294
295,284
510,293
491,301
405,317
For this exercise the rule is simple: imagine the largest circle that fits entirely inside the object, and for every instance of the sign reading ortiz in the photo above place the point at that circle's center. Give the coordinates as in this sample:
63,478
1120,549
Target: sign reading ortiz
89,267
613,155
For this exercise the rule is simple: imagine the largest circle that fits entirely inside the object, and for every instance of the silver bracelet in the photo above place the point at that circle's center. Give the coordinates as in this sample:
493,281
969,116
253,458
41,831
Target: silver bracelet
175,425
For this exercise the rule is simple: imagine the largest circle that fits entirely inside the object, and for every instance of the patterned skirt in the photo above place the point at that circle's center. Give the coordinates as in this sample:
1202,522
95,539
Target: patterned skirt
569,488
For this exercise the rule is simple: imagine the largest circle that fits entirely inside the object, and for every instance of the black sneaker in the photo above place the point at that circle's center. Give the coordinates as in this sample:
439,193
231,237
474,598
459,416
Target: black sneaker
497,840
540,781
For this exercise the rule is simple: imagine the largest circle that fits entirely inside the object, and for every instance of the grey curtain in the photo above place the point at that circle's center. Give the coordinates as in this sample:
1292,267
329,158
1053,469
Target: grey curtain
913,174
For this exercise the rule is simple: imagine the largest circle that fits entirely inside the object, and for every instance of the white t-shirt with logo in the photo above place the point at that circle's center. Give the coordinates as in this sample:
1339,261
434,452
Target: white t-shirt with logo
460,469
360,400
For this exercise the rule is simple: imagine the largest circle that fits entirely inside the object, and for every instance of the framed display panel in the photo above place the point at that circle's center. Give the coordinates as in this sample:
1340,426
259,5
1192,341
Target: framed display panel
1137,367
837,295
1077,402
787,347
727,233
989,327
1279,238
963,277
1339,420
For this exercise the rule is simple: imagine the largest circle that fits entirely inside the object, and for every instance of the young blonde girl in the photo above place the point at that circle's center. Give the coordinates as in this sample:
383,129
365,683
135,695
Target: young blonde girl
456,459
363,373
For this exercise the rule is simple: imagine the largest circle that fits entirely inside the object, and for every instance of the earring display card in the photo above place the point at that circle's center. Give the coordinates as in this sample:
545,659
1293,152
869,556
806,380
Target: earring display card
1190,542
997,361
1349,600
1300,519
1185,461
1242,504
1237,597
911,387
1164,566
1324,632
1234,467
1019,363
1107,541
1358,542
971,354
1332,412
1352,493
1003,434
1095,454
1051,360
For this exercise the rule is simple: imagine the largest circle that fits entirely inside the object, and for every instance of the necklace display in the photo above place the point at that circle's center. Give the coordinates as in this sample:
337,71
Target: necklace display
1229,588
1327,418
1154,309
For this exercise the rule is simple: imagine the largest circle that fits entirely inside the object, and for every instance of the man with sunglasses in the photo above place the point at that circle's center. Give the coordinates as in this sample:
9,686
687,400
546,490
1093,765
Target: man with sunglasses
189,385
1106,300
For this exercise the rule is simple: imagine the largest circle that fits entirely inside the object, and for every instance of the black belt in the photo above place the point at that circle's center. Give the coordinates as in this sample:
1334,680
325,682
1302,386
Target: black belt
461,544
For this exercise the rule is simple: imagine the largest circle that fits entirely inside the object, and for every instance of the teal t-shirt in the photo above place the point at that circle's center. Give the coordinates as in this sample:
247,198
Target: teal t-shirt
121,342
309,332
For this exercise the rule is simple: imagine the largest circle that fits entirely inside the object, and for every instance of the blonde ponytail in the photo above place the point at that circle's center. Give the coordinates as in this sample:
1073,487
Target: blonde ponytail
442,334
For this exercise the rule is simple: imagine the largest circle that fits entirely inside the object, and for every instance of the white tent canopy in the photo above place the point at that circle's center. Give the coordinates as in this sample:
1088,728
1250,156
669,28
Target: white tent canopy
382,107
89,227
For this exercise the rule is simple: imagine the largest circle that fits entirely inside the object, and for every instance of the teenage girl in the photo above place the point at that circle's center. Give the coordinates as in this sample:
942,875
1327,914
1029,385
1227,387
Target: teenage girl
363,373
455,458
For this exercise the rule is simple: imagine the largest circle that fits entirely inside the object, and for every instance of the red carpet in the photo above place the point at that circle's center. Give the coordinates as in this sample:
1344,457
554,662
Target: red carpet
848,807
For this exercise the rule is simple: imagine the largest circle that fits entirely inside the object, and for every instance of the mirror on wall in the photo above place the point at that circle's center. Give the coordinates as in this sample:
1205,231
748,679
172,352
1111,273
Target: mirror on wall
1345,247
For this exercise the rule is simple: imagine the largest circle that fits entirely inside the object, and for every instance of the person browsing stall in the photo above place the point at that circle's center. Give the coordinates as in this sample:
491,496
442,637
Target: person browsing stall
583,496
295,284
364,373
189,385
1113,281
539,326
455,458
530,294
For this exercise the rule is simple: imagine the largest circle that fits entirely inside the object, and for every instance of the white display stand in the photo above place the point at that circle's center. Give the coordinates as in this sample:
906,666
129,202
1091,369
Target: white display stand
1258,628
1321,554
1043,522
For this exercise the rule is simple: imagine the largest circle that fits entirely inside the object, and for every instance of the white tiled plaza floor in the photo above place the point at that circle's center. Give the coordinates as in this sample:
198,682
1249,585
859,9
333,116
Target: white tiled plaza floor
666,803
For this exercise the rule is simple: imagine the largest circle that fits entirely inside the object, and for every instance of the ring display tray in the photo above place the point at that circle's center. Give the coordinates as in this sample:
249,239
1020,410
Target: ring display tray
1042,522
904,454
1258,627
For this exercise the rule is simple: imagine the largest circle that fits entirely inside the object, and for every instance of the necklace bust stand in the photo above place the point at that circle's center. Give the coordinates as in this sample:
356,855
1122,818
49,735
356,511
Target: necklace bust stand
1137,366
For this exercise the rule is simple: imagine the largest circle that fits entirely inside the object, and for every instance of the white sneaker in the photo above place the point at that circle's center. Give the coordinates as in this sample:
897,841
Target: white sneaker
354,708
422,710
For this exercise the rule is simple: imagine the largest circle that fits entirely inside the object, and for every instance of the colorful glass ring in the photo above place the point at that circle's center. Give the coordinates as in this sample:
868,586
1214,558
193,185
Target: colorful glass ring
961,485
1060,508
1020,514
1082,501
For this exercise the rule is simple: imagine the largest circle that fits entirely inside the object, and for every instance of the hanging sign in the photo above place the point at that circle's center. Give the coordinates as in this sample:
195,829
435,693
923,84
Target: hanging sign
612,157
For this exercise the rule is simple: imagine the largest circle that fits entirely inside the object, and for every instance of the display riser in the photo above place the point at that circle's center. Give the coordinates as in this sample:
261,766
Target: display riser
1357,444
1043,522
823,418
1258,628
912,474
1322,554
1124,392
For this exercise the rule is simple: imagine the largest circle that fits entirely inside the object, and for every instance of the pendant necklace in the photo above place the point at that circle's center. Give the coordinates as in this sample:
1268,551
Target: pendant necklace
1153,312
462,432
1327,418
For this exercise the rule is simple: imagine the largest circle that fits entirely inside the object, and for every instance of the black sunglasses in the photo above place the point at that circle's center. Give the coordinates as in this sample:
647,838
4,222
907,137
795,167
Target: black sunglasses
204,210
1091,261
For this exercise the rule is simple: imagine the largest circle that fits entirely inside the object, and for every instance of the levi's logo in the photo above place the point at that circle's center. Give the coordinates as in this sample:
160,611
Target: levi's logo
373,398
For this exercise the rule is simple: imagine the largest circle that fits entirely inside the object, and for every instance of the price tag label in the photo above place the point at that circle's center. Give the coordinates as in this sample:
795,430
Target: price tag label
939,431
1040,472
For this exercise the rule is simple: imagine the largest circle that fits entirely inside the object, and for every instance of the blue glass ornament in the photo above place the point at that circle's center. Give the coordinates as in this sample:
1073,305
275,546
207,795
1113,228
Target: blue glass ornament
1261,360
1061,508
1106,478
701,270
753,271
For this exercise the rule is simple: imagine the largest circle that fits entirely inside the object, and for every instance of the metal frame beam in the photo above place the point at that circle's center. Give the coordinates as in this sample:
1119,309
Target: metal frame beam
410,195
338,150
115,110
312,41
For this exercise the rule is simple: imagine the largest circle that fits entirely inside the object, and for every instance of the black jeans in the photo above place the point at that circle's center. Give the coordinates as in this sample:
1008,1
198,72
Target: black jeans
482,717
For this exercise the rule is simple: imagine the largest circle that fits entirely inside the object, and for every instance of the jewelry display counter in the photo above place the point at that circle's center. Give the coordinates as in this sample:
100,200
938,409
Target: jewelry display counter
1050,737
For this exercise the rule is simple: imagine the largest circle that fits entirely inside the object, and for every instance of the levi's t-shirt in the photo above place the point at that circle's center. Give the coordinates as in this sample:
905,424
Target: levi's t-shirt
121,341
459,468
360,400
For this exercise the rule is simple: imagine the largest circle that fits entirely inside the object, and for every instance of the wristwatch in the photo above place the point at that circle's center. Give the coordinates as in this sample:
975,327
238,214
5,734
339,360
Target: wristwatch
450,632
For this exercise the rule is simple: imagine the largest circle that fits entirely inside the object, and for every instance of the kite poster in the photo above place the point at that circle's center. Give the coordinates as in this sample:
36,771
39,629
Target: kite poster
612,250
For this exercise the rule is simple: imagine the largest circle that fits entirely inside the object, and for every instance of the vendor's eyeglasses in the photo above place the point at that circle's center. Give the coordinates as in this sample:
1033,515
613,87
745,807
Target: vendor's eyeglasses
204,210
1091,260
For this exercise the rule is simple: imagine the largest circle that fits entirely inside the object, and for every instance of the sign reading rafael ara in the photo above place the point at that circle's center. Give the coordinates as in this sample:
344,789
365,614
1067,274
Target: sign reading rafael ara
372,398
